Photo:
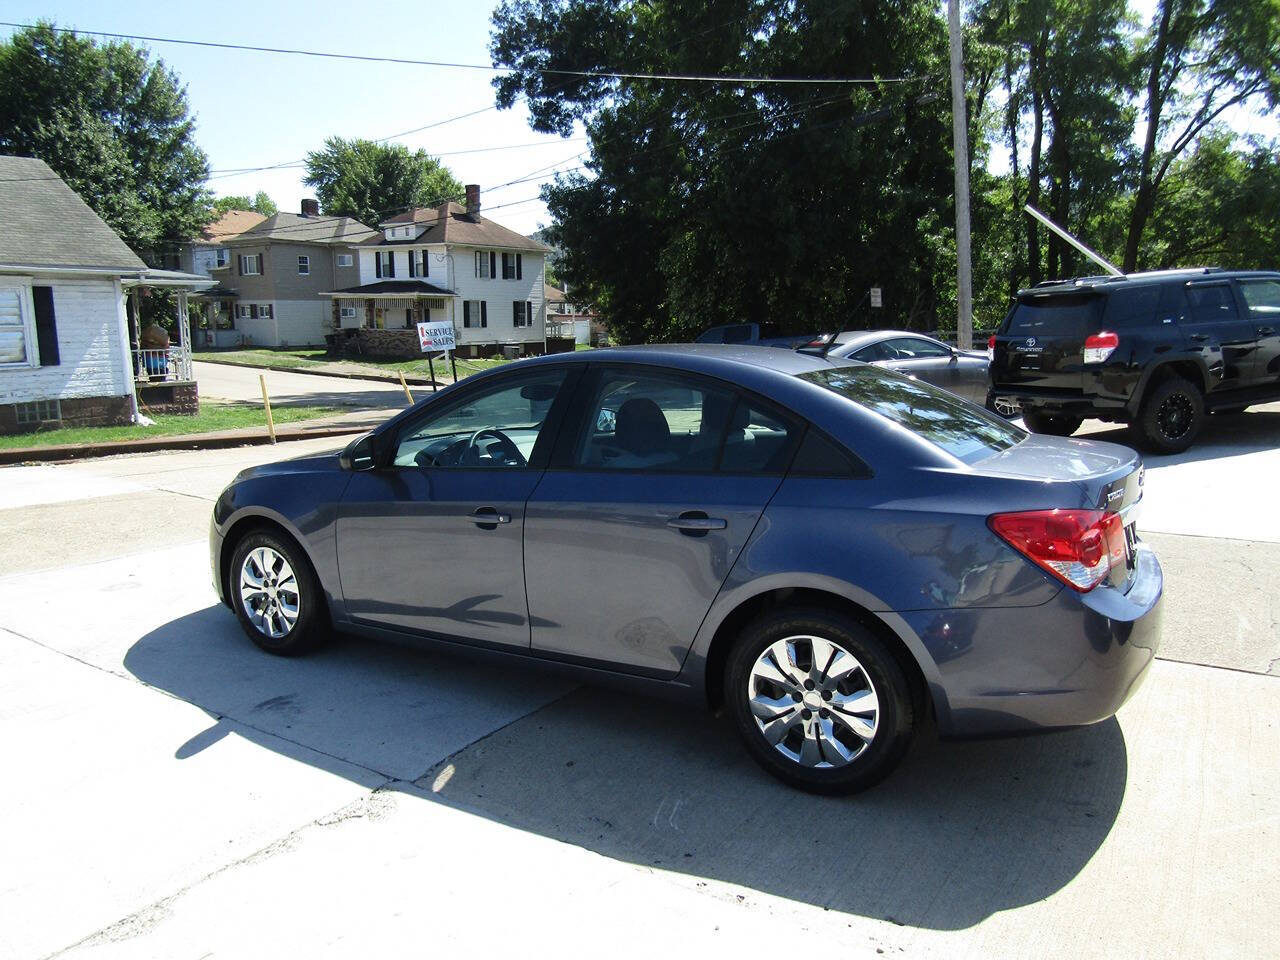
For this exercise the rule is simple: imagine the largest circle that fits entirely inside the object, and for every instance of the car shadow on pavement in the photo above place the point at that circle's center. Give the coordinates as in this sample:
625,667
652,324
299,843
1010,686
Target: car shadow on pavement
961,831
1223,436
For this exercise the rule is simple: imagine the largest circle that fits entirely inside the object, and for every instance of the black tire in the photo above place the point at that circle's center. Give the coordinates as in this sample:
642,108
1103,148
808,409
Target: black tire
1054,424
310,626
1170,417
878,671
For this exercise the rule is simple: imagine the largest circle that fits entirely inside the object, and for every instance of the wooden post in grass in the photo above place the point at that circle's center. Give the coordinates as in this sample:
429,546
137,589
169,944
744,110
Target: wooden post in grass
266,403
407,395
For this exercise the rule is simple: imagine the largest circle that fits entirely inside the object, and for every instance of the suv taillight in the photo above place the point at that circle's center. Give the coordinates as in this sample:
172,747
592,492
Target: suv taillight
1099,346
991,347
1078,547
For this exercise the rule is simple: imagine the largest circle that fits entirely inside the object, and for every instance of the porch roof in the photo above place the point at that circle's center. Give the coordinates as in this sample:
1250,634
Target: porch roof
392,288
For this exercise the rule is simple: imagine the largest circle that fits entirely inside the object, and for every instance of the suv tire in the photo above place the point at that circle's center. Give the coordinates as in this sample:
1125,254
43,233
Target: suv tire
1054,424
832,727
1170,417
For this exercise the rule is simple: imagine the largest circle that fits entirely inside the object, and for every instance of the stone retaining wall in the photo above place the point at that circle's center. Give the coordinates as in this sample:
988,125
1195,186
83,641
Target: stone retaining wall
182,397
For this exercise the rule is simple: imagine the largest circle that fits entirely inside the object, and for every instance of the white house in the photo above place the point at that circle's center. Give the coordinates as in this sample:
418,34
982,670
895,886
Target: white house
450,263
65,351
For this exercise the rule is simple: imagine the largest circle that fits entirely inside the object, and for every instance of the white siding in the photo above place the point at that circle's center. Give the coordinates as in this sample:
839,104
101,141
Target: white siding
89,325
499,294
436,269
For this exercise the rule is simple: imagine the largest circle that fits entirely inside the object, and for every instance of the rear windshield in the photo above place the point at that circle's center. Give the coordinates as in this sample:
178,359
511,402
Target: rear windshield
1073,316
966,432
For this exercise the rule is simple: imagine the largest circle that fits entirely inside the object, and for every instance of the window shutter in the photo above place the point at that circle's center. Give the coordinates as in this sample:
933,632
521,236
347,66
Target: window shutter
240,265
391,263
493,264
516,319
519,267
426,257
466,313
412,271
377,264
528,313
484,313
46,327
253,310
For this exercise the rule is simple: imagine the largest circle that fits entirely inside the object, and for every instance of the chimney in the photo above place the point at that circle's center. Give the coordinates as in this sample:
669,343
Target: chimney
473,201
310,208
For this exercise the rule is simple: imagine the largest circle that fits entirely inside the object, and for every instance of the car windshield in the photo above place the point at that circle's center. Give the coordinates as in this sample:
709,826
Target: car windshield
960,429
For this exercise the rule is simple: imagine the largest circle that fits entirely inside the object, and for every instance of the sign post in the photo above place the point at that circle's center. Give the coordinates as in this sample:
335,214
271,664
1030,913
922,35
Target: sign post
876,301
433,337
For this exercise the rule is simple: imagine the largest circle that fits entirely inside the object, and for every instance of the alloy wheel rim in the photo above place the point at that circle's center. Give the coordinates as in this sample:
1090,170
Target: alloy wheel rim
1174,416
269,591
813,701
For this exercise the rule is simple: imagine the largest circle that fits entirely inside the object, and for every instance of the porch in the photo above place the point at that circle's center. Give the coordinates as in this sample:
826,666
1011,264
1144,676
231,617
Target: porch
381,319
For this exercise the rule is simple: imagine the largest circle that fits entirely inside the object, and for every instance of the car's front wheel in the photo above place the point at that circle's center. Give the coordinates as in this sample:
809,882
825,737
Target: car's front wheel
819,700
276,594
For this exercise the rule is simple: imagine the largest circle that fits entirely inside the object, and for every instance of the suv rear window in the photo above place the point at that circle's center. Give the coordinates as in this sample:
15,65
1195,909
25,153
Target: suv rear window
1131,307
1063,315
966,432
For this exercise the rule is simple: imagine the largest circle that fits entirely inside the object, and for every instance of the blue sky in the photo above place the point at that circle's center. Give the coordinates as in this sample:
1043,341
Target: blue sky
258,109
254,109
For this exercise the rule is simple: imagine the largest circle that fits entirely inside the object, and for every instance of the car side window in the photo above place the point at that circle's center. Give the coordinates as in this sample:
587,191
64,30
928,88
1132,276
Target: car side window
670,423
495,428
916,348
871,353
1211,303
1263,298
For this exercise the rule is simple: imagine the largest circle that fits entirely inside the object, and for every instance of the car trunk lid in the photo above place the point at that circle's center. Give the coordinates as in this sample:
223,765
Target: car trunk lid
1041,343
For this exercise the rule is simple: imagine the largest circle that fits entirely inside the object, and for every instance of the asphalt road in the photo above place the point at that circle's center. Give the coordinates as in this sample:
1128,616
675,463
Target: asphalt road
223,381
172,792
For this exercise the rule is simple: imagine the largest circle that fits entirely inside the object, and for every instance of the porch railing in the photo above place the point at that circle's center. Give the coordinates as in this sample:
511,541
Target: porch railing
172,363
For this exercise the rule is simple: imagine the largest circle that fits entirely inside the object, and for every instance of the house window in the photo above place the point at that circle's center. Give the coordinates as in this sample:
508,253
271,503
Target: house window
344,260
522,313
475,313
242,311
347,313
264,311
304,266
512,266
486,264
36,412
221,257
250,264
16,335
384,264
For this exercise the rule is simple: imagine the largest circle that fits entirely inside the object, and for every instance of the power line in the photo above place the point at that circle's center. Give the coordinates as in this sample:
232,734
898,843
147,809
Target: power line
368,58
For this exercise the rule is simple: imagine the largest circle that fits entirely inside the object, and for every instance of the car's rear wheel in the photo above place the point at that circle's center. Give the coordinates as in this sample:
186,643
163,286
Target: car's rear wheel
820,701
276,594
1170,417
1055,424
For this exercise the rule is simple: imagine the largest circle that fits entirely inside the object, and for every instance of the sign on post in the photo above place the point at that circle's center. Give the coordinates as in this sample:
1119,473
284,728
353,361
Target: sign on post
875,297
436,336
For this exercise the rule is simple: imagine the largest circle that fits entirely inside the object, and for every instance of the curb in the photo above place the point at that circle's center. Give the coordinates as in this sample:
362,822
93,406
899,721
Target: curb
198,441
372,377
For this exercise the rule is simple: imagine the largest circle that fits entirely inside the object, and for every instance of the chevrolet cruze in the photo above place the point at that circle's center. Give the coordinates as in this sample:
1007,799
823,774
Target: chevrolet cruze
830,552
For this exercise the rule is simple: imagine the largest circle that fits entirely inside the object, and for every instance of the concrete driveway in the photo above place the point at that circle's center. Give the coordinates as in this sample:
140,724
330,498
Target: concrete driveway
171,791
222,381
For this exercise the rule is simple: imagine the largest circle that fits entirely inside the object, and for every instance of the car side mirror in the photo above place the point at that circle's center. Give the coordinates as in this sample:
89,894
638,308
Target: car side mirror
359,454
955,356
607,421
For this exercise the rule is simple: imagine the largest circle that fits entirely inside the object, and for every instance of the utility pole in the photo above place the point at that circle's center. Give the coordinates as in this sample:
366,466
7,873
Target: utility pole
960,141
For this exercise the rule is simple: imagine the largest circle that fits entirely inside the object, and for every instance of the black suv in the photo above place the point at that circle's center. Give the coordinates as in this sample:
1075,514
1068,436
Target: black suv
1157,351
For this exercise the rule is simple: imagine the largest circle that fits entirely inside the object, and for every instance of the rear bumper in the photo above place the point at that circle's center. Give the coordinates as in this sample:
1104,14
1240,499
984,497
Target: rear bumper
1064,401
1072,661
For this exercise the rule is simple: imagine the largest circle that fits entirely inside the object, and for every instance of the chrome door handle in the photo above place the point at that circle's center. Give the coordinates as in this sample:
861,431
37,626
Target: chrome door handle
1266,331
487,517
1200,337
697,524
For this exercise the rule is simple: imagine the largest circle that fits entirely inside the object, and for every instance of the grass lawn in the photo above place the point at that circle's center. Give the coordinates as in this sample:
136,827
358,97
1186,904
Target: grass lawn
302,358
212,416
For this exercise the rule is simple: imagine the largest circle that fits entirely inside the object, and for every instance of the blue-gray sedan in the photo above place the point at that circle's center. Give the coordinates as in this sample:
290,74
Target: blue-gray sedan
832,553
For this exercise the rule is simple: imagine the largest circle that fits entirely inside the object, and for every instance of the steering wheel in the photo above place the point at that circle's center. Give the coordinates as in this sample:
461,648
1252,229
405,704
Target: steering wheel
510,451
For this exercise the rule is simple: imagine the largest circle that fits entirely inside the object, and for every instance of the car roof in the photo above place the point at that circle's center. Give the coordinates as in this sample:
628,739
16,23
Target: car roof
711,358
1105,284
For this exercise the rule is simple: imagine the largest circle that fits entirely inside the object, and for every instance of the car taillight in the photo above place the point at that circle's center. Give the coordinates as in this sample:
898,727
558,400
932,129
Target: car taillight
1078,547
991,347
1099,346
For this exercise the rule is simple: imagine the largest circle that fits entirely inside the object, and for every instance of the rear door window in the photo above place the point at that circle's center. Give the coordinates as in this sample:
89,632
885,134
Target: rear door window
1263,298
1070,315
1211,303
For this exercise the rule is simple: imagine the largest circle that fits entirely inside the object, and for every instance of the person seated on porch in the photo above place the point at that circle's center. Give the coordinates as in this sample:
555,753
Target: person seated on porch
155,338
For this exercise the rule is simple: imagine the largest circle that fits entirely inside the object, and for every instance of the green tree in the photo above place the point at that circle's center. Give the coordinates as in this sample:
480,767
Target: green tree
261,203
1200,58
717,202
372,181
113,124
